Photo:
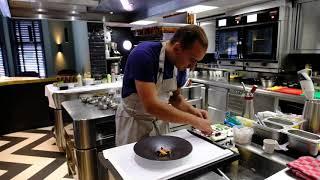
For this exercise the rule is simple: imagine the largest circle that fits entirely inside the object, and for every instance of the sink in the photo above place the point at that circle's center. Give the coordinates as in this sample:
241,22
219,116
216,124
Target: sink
251,166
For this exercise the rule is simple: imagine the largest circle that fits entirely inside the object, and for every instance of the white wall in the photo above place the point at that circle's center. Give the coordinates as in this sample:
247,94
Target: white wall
210,28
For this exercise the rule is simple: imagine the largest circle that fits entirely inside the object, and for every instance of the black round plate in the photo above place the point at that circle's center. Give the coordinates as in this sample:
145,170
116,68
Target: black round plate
147,148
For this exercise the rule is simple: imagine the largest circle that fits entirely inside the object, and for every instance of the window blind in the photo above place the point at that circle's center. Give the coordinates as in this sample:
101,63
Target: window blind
2,68
29,46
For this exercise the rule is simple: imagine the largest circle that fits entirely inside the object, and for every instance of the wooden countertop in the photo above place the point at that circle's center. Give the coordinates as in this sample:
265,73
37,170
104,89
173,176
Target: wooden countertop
5,81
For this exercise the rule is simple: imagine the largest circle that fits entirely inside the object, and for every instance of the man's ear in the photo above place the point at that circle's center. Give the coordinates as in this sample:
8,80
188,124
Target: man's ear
177,48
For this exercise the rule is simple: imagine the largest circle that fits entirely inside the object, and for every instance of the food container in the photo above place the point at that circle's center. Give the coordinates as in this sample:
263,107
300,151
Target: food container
303,141
242,135
269,131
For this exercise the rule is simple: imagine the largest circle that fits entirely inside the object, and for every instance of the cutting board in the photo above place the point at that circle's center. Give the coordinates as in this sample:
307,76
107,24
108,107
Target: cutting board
287,90
131,166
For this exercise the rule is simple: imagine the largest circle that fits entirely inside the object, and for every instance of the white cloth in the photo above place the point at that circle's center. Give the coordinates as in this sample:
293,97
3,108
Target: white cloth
131,166
50,90
132,121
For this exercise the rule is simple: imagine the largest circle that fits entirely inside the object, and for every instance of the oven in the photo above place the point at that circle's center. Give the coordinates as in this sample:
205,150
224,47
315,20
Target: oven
248,41
260,42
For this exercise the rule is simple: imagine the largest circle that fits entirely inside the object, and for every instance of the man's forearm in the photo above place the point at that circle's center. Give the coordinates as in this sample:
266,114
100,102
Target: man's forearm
180,103
164,111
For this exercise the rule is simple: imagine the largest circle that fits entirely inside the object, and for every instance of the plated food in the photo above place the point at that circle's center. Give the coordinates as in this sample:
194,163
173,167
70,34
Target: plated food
162,148
163,152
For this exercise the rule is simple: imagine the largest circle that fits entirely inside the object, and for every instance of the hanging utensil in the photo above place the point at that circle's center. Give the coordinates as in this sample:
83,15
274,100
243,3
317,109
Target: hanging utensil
244,87
259,120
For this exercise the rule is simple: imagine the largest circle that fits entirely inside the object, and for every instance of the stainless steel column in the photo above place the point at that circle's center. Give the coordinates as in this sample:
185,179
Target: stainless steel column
59,130
58,124
86,152
87,164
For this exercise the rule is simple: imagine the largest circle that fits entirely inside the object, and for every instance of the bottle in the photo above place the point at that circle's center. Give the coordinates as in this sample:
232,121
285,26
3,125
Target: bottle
79,80
109,78
306,84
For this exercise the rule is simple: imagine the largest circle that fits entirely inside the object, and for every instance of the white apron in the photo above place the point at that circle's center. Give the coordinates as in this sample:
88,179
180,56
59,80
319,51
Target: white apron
132,121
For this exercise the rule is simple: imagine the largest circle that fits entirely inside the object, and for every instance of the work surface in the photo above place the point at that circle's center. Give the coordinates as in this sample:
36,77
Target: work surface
131,166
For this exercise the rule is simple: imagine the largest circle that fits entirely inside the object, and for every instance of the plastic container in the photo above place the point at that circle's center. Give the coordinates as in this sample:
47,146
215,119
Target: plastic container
242,135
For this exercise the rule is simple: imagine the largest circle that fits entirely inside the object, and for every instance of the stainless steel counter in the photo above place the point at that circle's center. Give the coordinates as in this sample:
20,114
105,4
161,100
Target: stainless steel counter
79,111
236,85
92,128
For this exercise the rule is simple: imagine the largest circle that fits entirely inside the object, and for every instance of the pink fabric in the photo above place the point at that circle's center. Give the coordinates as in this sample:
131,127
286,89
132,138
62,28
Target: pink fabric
306,167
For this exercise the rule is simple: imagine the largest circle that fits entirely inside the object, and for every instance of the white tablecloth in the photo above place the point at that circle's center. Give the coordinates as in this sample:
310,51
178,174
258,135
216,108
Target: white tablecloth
50,89
131,166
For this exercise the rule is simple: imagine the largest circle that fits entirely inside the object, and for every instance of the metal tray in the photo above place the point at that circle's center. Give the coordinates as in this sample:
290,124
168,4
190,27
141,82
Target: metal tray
283,121
270,131
303,141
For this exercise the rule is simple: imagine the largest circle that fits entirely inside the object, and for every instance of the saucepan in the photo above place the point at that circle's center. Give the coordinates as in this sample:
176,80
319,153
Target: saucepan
173,148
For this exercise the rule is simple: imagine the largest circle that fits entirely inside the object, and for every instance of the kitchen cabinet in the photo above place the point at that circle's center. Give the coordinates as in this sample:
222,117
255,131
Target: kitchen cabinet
263,103
217,103
216,115
307,26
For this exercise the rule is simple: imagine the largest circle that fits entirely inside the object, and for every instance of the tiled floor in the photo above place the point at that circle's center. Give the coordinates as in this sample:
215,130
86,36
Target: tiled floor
31,154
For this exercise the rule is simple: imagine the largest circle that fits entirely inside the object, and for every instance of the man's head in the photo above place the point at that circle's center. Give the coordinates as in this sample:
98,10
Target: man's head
188,46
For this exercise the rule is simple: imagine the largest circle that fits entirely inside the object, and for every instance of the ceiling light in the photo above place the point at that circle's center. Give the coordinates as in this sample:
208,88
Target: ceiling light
40,10
142,22
252,18
126,5
197,9
111,12
73,18
73,12
40,16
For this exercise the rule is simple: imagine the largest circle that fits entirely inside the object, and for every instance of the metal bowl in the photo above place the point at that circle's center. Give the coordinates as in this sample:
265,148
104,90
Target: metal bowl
147,148
267,83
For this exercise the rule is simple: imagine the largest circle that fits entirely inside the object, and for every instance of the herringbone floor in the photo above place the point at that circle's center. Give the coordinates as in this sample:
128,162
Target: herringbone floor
31,154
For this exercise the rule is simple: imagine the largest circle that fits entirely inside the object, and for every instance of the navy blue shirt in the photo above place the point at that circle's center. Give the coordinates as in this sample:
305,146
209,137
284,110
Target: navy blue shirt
143,64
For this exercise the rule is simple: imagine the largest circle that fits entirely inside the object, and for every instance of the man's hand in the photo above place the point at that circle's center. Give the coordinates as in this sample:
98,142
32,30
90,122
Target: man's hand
201,113
204,125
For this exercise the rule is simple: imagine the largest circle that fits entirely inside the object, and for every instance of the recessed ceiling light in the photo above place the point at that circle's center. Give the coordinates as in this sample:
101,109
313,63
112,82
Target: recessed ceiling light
197,9
111,12
142,22
40,16
73,18
73,12
126,5
40,10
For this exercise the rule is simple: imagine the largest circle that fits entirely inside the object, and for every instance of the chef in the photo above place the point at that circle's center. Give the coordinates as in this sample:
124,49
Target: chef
154,74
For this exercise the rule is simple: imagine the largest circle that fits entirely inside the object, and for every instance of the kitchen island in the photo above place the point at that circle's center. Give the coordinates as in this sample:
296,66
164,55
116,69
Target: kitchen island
56,97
